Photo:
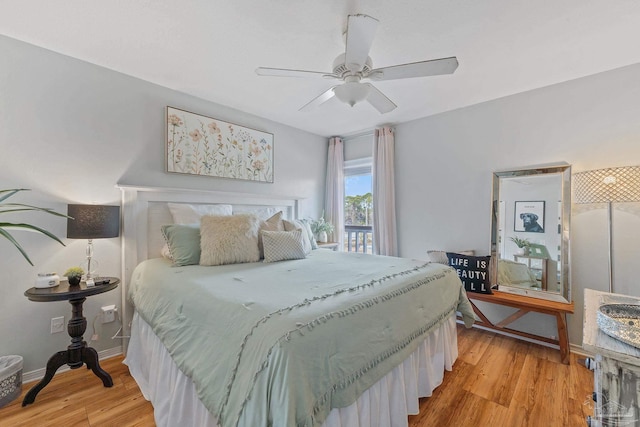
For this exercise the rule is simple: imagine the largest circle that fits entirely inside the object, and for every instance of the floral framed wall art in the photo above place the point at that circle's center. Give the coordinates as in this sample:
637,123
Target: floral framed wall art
201,145
529,217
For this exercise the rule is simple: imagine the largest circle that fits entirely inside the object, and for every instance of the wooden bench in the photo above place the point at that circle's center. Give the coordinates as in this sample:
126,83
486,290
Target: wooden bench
526,304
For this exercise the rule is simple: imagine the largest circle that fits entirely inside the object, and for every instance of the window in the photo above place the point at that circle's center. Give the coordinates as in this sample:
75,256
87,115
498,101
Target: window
358,206
357,199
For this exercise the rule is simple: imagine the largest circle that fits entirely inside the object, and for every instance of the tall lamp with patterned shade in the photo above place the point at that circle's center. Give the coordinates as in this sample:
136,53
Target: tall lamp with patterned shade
609,185
92,222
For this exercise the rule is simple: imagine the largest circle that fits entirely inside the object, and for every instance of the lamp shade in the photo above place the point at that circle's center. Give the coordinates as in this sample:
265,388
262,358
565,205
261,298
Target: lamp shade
352,92
607,185
93,221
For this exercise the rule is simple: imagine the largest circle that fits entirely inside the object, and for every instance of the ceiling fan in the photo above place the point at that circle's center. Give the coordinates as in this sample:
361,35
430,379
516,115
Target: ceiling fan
355,65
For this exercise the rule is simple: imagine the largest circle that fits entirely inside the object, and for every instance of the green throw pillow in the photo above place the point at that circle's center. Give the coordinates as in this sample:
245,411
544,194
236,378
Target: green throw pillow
183,242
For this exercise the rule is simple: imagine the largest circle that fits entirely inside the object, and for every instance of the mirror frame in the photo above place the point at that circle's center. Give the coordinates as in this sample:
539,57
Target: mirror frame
565,274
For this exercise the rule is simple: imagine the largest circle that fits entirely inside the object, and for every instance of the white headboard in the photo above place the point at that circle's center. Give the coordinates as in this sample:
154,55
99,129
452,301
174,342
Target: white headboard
145,210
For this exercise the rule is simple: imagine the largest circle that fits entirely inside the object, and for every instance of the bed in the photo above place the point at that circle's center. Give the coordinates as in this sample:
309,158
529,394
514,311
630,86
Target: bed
512,273
332,339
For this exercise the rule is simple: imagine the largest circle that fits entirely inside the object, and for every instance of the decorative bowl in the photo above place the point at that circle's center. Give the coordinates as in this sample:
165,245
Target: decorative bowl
620,321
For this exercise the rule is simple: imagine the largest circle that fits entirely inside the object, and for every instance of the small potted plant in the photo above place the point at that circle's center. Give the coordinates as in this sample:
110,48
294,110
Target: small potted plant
321,228
522,244
74,275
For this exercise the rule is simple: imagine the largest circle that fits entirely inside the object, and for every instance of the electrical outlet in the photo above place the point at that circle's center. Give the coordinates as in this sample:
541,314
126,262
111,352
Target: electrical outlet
57,324
108,313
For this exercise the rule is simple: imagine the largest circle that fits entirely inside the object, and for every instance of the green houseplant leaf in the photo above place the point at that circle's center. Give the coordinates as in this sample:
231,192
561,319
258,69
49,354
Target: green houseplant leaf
74,272
319,225
19,207
521,243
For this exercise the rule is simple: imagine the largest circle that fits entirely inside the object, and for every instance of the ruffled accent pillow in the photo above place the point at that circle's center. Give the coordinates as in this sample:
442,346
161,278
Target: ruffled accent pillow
229,239
283,245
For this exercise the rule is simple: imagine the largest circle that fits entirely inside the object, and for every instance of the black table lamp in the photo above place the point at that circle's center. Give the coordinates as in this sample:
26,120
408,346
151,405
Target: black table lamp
92,222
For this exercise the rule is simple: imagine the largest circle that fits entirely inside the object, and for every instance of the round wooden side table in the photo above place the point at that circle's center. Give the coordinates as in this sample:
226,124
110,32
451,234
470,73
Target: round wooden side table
77,353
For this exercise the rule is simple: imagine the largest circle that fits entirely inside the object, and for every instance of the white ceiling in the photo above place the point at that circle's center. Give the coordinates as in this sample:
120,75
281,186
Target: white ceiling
211,48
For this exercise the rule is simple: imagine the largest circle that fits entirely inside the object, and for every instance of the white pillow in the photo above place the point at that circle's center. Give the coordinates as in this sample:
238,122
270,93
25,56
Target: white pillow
307,226
229,239
440,257
282,245
184,213
297,225
262,213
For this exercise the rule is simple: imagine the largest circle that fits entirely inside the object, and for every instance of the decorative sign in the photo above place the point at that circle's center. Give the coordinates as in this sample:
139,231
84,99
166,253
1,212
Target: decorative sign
529,217
473,271
200,145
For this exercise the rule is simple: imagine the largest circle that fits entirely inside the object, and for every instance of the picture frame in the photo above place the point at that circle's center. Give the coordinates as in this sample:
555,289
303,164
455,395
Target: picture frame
529,216
200,145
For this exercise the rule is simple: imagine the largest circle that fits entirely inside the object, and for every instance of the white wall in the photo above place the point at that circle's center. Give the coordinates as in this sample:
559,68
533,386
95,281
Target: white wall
70,131
444,165
358,147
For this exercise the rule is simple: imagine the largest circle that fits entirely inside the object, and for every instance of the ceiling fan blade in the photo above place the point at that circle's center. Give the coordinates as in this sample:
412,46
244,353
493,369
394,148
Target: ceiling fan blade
360,32
283,72
379,100
432,67
321,99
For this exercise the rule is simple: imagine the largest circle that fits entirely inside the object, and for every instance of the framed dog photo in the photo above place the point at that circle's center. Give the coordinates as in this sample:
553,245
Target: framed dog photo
529,217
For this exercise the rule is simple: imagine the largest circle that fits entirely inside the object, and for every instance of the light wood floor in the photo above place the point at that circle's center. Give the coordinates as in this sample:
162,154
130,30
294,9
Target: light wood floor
496,381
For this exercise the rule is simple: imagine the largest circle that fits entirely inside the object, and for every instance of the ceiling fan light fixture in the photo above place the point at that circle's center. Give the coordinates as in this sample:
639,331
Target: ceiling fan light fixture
352,92
355,65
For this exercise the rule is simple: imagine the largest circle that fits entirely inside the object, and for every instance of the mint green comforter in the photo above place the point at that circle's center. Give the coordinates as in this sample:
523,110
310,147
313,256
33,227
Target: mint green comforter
283,343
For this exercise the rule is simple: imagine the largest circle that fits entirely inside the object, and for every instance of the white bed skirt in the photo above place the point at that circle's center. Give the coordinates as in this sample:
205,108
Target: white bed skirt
386,404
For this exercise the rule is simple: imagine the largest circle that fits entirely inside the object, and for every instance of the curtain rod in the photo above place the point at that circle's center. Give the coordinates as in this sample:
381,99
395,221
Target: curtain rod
359,135
371,132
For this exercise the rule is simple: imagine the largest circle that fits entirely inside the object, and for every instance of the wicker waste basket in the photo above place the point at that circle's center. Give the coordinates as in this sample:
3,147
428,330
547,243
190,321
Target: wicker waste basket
10,378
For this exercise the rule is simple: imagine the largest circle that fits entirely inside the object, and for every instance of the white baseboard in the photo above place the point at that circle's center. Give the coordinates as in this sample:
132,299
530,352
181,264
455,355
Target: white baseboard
581,351
574,348
518,337
39,373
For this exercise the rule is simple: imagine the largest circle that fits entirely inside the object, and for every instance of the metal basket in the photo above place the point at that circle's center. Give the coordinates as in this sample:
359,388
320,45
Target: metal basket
10,378
620,321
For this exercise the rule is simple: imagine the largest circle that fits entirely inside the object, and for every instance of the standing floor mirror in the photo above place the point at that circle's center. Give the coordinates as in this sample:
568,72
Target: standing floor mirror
530,232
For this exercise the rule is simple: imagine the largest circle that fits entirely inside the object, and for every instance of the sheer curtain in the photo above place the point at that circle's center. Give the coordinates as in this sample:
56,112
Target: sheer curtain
334,191
384,200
